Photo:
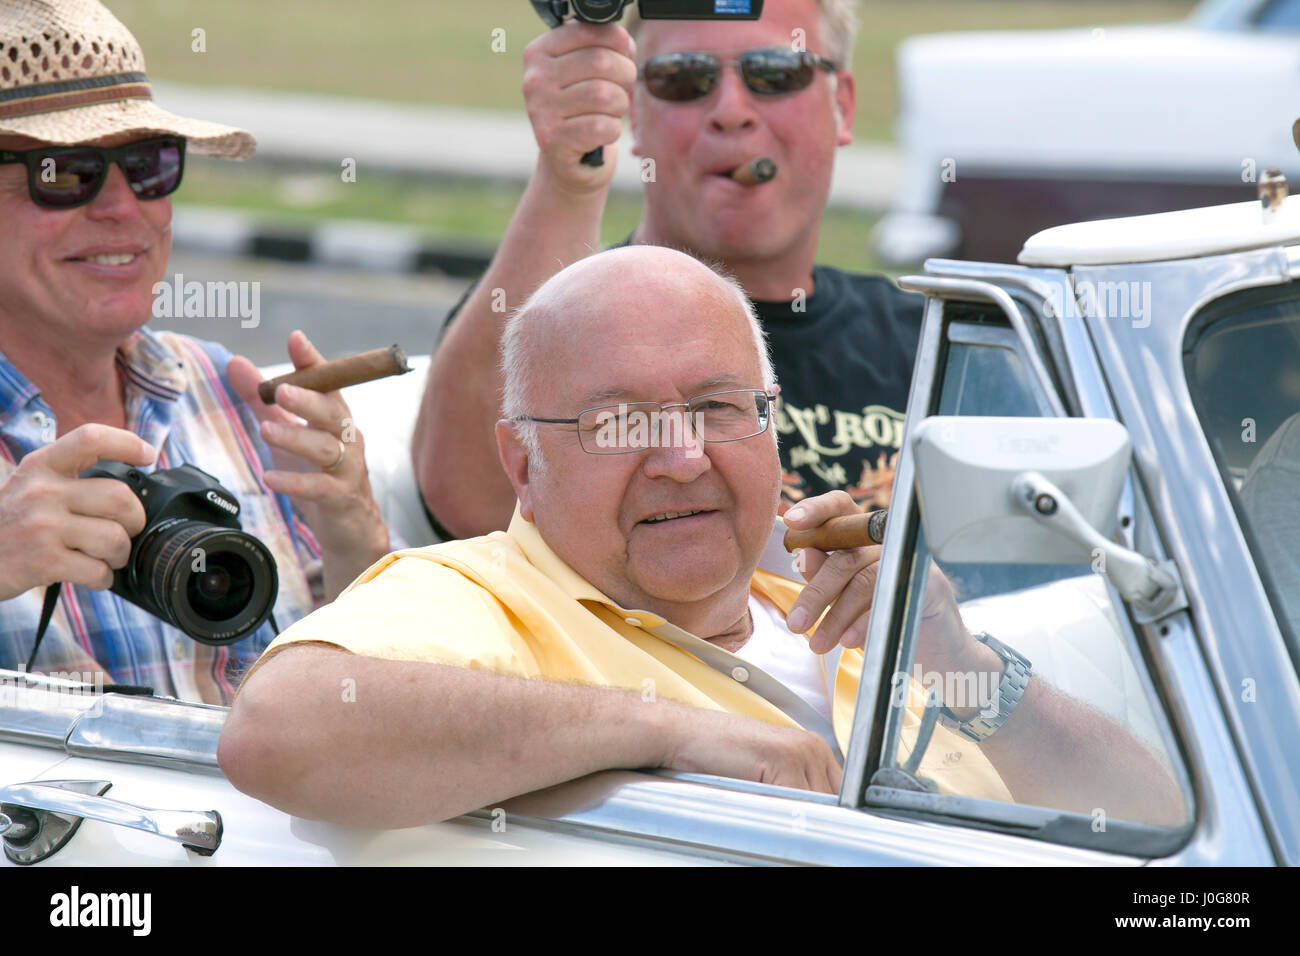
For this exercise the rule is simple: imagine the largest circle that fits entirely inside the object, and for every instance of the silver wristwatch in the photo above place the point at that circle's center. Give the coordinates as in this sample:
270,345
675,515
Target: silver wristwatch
1015,678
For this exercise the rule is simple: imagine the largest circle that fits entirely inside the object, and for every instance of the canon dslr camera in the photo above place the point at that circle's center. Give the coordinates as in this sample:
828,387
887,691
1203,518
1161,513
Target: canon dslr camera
192,566
553,12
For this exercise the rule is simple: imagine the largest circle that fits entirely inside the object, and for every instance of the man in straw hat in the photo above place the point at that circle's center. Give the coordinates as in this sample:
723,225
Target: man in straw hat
87,163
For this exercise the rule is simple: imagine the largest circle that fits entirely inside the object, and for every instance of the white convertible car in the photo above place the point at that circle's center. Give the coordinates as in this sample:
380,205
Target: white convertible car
1118,415
1007,133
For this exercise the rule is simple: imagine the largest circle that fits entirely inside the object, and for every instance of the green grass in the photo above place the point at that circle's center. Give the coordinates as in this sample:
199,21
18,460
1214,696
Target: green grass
439,51
464,211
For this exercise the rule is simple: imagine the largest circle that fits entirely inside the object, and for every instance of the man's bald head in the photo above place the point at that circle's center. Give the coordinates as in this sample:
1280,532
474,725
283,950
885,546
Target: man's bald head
626,286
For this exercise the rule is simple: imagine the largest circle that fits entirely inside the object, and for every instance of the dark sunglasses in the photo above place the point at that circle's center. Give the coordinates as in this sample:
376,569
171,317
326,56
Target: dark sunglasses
681,77
64,177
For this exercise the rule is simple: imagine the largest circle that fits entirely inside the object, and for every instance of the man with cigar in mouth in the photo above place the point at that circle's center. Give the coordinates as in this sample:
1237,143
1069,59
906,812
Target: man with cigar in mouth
621,621
705,99
87,165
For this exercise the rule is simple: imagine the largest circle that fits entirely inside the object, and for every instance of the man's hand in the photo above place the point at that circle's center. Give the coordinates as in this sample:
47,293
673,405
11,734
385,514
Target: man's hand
577,85
747,749
320,462
55,526
845,581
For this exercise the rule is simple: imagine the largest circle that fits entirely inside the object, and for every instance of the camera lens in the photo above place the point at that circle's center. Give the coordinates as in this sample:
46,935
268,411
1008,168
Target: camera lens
598,11
221,591
216,584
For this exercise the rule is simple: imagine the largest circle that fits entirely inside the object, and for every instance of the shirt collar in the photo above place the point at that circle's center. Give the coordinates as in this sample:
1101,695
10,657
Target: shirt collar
146,363
150,366
539,555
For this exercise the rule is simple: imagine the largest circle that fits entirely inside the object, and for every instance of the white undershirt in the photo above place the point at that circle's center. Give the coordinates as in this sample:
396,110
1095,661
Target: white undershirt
785,655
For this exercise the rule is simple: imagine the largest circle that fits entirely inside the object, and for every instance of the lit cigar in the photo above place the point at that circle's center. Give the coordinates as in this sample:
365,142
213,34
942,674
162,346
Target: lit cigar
340,373
752,173
847,531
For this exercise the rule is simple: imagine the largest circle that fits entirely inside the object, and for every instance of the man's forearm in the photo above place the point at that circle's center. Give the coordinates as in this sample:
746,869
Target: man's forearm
328,735
454,449
1055,751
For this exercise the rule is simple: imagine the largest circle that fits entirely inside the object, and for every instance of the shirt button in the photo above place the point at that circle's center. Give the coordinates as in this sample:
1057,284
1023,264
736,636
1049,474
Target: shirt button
740,674
178,650
634,621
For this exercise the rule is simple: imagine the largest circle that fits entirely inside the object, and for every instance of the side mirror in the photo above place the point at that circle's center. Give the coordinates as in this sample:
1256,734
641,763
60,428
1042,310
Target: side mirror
966,467
1034,491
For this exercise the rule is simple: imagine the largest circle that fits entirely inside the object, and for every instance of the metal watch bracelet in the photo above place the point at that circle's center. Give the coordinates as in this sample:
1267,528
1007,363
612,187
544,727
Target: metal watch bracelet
1015,678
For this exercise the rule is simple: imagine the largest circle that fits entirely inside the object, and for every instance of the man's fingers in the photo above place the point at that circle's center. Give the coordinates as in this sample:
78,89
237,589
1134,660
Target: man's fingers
314,446
593,98
105,498
598,64
325,411
306,485
811,512
846,621
825,587
302,352
83,446
575,35
244,379
98,538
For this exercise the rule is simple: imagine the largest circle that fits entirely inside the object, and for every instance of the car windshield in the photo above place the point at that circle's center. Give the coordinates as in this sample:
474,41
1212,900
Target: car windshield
1243,369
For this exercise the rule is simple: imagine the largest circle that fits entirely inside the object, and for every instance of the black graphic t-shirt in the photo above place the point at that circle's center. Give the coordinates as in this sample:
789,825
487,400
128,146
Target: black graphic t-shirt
843,357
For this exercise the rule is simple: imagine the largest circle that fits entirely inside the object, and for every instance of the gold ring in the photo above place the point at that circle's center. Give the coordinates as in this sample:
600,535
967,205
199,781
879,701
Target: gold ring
343,450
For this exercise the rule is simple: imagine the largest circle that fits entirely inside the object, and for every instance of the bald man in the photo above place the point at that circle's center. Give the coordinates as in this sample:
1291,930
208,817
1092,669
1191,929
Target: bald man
622,620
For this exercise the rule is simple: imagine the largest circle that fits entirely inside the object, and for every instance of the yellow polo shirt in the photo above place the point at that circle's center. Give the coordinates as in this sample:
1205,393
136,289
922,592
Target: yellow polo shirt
506,604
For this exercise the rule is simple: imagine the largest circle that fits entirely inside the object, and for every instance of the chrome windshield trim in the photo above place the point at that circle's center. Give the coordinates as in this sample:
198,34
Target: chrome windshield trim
948,288
1237,633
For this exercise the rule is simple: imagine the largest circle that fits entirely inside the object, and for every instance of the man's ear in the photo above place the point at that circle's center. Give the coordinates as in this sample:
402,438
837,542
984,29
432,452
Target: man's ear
846,104
514,459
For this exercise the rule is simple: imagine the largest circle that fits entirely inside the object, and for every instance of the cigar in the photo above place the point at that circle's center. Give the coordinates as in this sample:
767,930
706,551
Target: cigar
340,373
846,531
758,171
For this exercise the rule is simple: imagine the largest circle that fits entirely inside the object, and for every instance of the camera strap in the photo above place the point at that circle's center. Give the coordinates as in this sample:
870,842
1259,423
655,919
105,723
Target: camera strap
47,612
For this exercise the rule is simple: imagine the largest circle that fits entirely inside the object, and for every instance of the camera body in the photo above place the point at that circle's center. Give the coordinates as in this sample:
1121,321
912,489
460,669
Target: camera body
192,565
553,12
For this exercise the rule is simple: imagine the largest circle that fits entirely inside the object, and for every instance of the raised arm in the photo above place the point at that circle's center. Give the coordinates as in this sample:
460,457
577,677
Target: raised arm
577,87
328,735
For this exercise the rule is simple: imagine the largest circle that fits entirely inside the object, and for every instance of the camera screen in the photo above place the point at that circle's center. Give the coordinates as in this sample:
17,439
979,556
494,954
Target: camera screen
700,9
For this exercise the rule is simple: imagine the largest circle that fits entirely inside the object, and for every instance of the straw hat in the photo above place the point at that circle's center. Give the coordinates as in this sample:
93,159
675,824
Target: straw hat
70,72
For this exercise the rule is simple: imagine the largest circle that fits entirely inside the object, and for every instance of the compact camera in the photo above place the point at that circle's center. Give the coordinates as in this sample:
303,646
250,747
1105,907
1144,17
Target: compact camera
192,566
553,12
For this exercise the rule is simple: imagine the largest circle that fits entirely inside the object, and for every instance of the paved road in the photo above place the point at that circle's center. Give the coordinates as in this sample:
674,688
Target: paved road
342,311
427,139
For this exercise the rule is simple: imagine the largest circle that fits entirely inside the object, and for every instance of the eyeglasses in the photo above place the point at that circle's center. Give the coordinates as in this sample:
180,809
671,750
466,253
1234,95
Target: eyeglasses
681,77
64,177
636,426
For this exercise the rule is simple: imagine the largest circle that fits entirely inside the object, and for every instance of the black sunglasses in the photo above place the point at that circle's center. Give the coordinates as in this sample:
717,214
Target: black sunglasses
681,77
64,177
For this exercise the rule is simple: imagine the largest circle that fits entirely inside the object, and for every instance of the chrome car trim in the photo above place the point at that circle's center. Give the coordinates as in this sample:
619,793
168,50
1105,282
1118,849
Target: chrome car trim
983,291
770,827
72,717
1238,634
866,739
197,830
150,730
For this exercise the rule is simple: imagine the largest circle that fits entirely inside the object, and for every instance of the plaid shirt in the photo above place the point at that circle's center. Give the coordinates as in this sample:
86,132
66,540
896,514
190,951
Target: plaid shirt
179,400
